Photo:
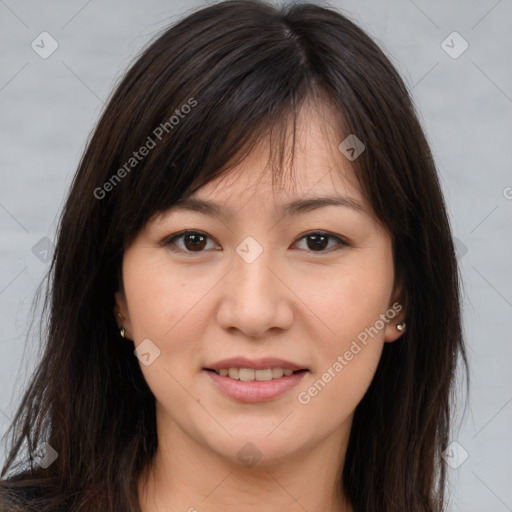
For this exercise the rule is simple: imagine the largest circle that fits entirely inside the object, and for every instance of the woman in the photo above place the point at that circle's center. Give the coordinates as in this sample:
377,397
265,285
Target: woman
254,294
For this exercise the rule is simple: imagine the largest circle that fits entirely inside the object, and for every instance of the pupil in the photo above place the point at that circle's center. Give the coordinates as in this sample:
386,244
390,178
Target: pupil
322,244
195,240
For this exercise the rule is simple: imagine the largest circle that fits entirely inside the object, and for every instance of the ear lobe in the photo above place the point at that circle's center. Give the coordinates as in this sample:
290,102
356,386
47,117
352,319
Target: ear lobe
122,317
391,333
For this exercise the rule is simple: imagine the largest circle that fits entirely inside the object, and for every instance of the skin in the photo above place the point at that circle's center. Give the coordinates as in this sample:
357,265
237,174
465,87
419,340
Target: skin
294,301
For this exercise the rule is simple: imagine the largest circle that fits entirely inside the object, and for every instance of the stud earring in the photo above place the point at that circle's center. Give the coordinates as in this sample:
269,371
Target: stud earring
400,326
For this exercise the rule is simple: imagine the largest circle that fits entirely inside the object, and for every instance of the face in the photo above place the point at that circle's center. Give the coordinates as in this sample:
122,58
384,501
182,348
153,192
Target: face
253,286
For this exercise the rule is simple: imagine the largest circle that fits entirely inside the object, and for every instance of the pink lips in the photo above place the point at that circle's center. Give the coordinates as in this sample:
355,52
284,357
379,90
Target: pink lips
255,391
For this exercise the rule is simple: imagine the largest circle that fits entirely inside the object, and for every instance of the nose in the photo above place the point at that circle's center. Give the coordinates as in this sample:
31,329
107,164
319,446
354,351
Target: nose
256,298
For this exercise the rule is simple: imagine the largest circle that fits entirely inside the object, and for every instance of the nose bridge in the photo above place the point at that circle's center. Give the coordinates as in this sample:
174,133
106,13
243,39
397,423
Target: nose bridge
253,278
255,299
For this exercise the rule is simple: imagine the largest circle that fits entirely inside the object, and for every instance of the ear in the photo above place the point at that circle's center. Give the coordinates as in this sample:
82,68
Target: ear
396,307
122,316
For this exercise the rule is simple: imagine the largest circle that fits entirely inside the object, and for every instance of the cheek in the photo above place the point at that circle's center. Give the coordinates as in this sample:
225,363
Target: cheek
346,361
351,300
164,304
335,393
165,307
349,352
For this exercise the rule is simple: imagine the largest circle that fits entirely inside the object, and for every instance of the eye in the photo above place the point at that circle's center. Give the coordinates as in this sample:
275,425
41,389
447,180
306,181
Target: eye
196,241
318,240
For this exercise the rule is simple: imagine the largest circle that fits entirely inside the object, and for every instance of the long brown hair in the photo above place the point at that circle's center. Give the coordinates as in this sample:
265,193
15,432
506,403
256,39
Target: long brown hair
198,98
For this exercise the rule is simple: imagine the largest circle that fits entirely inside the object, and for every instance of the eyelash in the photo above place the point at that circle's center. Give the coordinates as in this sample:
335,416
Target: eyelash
171,241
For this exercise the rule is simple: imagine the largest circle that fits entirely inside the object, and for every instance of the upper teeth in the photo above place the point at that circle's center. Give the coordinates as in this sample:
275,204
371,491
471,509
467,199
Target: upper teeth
252,374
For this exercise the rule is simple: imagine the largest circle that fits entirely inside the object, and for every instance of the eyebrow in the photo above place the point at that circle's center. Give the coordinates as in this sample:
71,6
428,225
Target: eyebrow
294,208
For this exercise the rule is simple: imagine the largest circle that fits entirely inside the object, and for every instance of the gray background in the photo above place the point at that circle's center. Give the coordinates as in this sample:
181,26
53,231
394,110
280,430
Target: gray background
49,107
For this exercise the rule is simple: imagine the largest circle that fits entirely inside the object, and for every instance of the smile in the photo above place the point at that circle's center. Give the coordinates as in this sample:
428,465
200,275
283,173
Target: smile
250,385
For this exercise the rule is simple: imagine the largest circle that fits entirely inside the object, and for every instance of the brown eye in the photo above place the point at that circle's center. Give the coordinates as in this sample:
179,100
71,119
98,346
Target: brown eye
192,241
318,241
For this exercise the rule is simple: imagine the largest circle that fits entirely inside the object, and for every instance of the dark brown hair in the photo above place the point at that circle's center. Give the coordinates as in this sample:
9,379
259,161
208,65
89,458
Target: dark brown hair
244,68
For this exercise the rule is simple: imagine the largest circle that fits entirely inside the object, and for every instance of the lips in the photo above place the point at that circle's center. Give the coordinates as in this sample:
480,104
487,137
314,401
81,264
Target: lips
255,364
246,388
255,391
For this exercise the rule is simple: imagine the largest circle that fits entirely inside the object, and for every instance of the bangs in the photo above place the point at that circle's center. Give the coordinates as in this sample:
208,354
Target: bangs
202,109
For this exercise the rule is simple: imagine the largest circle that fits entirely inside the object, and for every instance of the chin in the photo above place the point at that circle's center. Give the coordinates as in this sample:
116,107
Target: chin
258,448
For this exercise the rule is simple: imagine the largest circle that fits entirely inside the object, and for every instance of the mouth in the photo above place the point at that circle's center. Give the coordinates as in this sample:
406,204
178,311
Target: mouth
247,381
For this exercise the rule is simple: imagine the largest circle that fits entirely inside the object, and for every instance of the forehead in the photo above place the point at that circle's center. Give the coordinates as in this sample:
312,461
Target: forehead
318,175
318,166
233,192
